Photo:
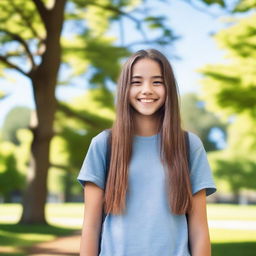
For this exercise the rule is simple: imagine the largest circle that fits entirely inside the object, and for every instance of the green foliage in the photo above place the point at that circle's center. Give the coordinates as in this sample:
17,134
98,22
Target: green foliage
244,5
235,170
17,118
198,120
242,137
10,178
219,2
87,51
14,164
230,88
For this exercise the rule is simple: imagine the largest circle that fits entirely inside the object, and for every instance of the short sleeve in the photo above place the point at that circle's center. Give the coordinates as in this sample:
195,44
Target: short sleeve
94,164
200,173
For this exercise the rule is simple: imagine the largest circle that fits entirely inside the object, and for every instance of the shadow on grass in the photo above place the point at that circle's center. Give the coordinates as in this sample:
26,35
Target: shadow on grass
20,235
234,249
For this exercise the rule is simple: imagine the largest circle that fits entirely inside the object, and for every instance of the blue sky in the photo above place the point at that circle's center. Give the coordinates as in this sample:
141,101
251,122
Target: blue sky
196,48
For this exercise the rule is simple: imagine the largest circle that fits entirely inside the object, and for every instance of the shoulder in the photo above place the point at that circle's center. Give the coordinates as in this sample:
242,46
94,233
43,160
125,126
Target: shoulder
195,142
99,142
101,137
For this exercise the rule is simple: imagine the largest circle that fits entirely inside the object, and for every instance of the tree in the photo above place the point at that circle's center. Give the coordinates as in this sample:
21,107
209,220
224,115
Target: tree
33,43
229,89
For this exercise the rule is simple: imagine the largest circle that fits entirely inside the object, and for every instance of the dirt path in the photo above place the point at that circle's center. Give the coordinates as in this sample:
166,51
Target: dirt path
68,245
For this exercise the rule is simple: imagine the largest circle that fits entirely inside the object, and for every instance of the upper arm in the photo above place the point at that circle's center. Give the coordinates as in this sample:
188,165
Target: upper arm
199,238
197,217
198,214
93,199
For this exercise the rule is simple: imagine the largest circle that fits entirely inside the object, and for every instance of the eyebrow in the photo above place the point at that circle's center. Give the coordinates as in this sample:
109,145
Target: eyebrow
151,77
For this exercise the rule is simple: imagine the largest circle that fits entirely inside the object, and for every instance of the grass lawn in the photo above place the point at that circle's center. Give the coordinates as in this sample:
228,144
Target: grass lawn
66,218
232,242
63,219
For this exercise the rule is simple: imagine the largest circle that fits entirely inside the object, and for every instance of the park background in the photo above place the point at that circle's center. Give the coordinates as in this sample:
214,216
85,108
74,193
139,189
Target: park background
59,62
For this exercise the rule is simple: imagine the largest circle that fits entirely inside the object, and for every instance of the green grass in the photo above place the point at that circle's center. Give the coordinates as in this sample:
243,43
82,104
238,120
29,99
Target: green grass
234,249
65,218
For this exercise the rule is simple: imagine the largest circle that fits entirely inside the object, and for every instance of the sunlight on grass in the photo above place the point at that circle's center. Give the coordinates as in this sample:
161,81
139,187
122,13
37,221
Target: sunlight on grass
62,215
10,213
65,215
227,235
231,212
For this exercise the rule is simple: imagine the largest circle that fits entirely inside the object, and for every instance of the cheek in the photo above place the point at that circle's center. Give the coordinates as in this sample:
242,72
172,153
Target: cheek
162,93
132,93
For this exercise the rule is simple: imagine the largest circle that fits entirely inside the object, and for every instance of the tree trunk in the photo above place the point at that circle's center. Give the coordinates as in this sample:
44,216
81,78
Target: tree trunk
36,194
44,80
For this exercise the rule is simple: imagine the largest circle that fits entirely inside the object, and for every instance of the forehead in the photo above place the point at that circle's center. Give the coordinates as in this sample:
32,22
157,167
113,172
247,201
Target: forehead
146,67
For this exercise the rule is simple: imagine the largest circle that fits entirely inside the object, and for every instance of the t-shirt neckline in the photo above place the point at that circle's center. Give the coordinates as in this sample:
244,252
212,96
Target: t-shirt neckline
152,137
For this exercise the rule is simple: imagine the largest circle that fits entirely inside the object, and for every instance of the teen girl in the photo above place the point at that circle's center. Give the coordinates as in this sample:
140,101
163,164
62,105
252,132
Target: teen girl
154,201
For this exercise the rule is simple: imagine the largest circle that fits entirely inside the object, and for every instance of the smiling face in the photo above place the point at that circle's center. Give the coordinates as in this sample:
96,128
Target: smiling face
147,90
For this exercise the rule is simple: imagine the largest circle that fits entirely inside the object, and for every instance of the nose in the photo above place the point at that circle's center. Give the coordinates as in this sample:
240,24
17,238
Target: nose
146,88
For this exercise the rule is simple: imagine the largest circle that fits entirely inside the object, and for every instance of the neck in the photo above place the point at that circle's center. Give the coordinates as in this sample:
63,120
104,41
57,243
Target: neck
146,125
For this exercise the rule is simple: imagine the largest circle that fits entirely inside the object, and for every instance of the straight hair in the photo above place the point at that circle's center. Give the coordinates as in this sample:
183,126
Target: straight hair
173,146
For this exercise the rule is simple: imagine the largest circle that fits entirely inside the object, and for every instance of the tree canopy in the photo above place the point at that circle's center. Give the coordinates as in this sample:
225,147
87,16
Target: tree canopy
230,91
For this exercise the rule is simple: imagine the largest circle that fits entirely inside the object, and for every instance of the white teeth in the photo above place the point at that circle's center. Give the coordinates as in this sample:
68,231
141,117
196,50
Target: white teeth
144,100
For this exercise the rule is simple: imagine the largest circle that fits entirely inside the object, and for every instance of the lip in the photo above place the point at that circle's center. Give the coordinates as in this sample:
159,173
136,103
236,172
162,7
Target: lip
147,99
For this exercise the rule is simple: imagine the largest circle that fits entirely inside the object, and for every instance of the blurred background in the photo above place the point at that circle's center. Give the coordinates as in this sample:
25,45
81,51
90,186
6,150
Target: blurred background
59,63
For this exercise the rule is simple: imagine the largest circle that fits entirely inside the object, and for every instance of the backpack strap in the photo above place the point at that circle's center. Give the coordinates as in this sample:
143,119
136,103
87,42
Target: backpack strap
187,149
108,154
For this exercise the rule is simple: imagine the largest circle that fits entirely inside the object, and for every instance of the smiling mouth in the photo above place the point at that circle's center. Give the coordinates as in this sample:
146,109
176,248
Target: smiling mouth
147,100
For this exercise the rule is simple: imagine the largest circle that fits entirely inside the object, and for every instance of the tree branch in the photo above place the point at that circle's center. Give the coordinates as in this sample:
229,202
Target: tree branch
83,117
203,10
11,65
42,10
59,166
19,39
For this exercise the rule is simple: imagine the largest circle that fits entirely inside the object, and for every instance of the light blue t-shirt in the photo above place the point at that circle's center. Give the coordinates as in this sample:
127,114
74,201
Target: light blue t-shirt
147,227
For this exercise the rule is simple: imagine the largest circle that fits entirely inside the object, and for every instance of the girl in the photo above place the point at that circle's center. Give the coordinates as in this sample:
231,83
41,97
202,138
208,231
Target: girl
154,201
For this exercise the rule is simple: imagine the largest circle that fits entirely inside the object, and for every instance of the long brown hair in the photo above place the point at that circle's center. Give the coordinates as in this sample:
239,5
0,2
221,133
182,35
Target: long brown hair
173,147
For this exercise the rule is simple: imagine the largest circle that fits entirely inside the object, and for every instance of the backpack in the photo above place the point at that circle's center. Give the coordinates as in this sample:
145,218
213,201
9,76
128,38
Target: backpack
108,155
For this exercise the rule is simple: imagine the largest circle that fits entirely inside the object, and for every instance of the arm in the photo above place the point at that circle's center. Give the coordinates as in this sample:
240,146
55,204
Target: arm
199,238
93,198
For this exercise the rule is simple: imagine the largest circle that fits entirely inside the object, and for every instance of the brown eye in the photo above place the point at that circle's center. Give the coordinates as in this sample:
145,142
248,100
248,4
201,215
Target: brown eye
135,82
158,82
